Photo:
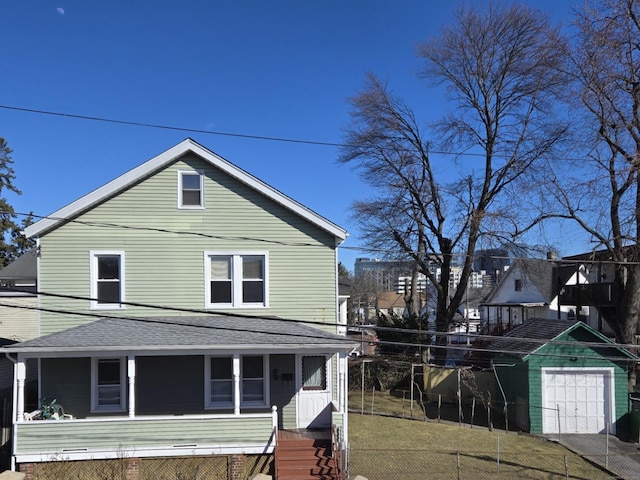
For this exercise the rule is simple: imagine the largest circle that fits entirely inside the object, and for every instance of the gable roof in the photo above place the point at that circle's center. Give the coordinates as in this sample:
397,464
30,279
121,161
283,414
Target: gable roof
135,175
527,338
23,267
185,333
544,275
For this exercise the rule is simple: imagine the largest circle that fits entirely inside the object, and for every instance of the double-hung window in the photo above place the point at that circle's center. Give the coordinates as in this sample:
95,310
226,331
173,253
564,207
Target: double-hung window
237,279
190,189
108,384
253,380
107,279
220,390
221,382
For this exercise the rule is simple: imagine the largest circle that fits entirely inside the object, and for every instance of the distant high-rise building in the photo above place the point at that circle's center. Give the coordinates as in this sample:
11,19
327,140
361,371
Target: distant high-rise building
493,261
382,273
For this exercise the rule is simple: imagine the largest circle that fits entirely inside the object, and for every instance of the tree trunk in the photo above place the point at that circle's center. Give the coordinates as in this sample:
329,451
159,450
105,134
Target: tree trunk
623,318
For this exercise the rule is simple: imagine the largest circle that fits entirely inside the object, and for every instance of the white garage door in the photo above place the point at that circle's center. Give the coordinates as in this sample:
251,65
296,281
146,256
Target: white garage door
577,400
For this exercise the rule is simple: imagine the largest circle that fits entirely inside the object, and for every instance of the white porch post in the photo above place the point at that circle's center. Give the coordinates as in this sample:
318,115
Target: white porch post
344,408
236,384
342,382
20,374
131,374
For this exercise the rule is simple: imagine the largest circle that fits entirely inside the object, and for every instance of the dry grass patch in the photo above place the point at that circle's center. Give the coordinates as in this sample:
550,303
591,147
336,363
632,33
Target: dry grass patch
387,447
384,403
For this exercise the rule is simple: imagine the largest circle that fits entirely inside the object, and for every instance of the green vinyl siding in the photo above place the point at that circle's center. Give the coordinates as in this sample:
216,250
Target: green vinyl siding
283,391
163,245
523,378
127,435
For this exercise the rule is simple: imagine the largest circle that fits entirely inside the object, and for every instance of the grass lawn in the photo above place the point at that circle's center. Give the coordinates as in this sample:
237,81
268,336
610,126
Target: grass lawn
384,447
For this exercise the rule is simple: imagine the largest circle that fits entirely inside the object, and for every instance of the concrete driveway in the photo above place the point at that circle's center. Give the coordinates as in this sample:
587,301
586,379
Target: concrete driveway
620,458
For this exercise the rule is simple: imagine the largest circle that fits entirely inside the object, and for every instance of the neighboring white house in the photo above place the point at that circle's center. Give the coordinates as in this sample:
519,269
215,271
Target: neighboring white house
531,288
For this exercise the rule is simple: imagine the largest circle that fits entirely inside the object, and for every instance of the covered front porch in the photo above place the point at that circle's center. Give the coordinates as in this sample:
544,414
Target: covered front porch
172,399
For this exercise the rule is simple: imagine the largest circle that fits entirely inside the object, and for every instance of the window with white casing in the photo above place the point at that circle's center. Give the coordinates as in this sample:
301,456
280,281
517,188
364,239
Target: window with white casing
237,279
108,385
190,189
219,386
107,279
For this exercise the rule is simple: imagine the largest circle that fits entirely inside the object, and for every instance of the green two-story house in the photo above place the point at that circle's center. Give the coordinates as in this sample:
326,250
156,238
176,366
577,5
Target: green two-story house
186,308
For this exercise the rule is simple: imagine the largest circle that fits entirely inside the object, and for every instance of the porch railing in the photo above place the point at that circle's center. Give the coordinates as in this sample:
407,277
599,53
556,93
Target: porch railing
152,436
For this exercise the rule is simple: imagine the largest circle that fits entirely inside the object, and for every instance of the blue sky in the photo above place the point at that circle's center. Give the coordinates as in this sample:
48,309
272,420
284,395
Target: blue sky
267,68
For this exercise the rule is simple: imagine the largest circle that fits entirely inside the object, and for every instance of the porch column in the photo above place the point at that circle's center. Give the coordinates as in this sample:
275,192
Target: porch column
342,381
131,374
236,384
20,373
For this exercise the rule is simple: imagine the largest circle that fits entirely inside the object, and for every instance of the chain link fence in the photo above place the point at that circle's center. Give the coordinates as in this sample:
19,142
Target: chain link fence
433,464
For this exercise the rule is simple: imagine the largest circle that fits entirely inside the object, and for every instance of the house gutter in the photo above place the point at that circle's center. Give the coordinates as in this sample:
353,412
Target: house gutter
332,347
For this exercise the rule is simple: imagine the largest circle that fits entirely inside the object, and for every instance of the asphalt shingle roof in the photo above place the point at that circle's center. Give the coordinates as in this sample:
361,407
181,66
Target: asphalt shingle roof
540,331
23,267
161,333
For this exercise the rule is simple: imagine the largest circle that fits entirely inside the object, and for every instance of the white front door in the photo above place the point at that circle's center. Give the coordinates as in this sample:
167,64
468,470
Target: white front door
577,400
314,391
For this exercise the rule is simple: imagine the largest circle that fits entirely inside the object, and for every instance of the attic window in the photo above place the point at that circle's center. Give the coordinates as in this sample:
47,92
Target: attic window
190,189
518,285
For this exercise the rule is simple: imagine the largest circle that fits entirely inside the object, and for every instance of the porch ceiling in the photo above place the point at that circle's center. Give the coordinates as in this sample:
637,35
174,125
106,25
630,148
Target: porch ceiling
185,333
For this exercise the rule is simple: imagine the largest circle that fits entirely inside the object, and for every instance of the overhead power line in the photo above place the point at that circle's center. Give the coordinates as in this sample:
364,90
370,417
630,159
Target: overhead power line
170,127
293,244
253,329
167,321
229,134
418,333
152,306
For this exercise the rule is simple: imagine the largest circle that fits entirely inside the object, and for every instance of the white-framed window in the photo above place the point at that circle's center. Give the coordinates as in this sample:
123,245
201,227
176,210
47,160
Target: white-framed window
108,391
219,381
190,189
238,279
107,279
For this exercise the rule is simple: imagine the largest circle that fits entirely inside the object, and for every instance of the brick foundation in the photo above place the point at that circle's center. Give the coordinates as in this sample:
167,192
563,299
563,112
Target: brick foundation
131,468
27,469
236,467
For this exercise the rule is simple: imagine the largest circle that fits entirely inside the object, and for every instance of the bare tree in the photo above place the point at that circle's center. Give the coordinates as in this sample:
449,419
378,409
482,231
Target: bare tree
601,193
501,68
